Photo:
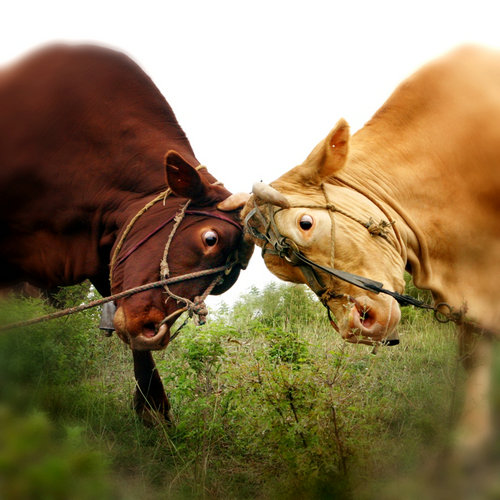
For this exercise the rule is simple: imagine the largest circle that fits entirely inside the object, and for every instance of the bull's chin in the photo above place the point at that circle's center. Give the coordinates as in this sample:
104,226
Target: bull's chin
156,342
355,337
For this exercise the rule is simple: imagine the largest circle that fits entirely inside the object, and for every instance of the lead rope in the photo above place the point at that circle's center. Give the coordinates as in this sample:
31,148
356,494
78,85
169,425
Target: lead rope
122,295
195,308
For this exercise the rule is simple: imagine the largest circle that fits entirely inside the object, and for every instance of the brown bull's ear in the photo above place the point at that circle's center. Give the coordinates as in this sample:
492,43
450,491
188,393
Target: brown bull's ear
183,179
330,155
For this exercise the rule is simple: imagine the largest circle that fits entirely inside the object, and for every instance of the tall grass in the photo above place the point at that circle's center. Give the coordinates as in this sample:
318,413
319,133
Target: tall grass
268,403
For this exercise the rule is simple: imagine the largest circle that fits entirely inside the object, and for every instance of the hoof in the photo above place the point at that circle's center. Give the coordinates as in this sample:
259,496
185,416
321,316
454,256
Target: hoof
153,418
152,413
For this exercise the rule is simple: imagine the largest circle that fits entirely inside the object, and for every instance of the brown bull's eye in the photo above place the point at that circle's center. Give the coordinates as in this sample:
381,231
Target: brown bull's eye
210,238
306,222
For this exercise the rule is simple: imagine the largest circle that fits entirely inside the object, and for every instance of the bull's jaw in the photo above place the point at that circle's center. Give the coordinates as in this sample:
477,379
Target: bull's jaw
365,320
144,334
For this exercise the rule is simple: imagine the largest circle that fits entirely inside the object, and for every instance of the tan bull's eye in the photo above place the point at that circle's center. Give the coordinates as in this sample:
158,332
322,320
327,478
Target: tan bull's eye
210,238
306,222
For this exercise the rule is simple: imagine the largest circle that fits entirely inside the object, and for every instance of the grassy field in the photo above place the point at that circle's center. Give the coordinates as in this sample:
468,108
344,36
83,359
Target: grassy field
268,403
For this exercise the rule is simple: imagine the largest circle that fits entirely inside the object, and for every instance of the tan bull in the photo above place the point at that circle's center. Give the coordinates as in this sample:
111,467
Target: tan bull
417,188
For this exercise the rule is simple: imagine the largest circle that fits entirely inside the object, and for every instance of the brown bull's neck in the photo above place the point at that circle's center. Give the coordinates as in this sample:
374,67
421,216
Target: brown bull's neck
79,151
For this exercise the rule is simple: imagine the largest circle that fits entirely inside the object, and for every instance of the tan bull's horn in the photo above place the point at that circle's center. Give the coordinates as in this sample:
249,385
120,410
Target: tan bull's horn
267,193
233,202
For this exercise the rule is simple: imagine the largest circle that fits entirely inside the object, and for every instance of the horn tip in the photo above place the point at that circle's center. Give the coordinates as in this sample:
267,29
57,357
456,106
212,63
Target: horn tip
269,194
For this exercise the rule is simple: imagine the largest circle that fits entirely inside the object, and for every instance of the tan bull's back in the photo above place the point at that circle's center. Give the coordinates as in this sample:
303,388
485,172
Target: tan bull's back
427,164
432,153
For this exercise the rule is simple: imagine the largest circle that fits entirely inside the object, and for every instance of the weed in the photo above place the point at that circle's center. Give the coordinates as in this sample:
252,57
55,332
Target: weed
268,401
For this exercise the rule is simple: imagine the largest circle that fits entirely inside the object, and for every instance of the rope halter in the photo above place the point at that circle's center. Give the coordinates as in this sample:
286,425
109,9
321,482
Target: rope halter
275,243
196,308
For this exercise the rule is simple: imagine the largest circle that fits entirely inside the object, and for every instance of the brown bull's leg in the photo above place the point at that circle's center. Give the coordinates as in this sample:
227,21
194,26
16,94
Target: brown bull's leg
475,427
150,399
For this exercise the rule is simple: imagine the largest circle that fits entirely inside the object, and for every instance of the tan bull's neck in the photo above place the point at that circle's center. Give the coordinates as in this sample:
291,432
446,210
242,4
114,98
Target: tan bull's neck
379,171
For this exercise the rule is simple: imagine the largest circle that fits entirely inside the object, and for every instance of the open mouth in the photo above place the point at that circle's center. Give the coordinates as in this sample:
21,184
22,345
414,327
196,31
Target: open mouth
154,335
150,340
149,330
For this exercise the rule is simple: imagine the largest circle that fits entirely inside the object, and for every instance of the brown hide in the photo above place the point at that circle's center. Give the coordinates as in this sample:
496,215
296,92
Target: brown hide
83,138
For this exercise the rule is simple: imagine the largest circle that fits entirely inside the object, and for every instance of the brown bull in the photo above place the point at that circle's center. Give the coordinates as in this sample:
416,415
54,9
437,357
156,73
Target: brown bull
417,188
84,171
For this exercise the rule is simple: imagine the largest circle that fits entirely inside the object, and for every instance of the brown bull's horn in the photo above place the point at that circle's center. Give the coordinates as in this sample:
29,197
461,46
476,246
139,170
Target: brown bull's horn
233,202
268,193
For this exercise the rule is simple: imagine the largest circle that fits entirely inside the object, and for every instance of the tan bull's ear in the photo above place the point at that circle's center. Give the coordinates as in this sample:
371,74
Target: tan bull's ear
330,155
336,148
183,179
233,202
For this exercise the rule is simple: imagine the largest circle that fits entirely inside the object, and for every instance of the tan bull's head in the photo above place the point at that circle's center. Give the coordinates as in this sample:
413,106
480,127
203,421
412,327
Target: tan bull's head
337,227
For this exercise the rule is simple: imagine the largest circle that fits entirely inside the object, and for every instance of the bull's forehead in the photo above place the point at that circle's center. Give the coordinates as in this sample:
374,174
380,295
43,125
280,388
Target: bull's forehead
340,236
352,202
343,197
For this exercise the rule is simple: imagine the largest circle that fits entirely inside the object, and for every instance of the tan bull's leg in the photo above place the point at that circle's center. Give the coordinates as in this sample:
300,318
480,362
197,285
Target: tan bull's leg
475,426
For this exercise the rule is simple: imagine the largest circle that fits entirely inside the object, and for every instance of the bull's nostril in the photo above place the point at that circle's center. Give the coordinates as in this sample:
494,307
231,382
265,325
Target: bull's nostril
367,320
366,316
149,329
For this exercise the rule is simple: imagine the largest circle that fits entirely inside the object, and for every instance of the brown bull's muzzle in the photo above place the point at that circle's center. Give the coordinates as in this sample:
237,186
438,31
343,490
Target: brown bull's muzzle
151,342
148,332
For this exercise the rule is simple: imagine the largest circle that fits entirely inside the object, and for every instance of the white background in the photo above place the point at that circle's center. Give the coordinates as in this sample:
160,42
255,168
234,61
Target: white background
255,85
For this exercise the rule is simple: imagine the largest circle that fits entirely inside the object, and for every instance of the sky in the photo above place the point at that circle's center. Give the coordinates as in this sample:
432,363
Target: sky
256,85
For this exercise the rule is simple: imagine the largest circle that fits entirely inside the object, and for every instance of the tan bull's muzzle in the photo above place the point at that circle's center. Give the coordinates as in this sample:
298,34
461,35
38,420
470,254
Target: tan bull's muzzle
367,321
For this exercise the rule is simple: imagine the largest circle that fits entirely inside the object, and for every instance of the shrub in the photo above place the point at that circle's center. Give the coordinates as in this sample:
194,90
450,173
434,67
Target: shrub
59,351
36,463
268,401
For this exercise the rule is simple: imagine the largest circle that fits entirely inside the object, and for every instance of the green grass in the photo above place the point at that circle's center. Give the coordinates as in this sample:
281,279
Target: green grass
268,403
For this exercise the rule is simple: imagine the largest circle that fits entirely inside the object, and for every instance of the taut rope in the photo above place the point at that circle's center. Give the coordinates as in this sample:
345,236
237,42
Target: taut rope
117,296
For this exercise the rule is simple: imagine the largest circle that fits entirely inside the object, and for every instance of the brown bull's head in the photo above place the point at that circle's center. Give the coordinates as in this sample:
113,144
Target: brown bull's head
329,224
175,237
